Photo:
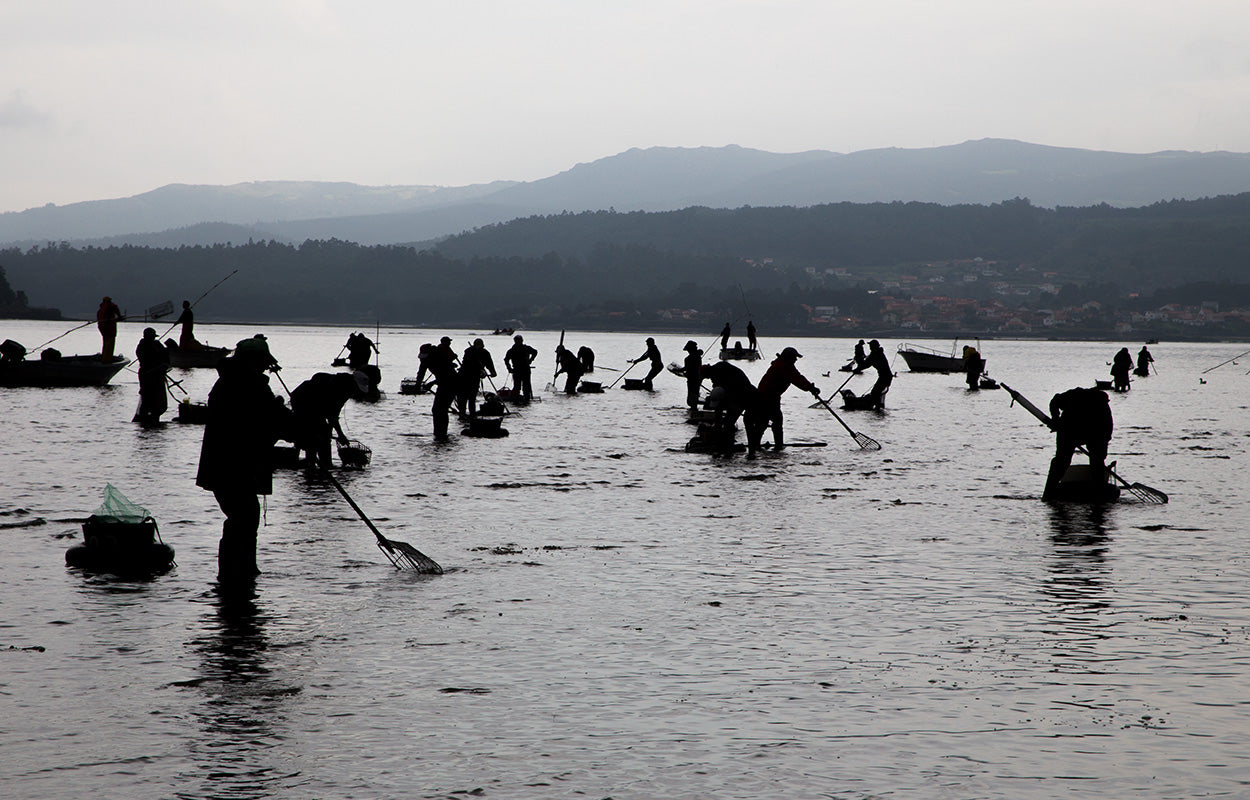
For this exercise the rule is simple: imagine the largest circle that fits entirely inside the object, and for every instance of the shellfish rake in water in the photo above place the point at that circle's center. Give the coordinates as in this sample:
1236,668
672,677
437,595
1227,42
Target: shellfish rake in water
401,554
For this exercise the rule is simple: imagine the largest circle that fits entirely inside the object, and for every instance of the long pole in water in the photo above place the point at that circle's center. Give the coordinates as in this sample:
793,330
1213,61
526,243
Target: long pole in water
1229,361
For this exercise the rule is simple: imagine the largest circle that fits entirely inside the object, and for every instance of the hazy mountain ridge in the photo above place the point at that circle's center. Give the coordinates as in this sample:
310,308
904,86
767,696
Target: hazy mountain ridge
654,179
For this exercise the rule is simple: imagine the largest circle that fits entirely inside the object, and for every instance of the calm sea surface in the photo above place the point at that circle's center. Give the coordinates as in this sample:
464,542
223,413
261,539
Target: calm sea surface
622,619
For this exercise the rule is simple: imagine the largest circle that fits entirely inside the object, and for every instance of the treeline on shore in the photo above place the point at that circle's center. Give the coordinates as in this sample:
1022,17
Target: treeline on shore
637,269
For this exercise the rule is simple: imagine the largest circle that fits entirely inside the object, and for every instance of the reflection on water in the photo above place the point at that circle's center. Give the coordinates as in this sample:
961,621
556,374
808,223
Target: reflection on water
622,618
243,702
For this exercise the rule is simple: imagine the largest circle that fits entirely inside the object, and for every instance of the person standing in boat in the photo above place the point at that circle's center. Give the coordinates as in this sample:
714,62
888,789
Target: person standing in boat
186,339
106,318
1121,365
779,376
153,367
519,361
724,336
657,362
1079,417
1144,360
692,370
571,366
236,456
885,376
317,404
475,364
751,341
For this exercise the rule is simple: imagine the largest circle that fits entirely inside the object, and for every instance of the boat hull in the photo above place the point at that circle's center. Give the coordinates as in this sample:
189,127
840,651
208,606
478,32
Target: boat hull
196,359
924,361
737,354
66,371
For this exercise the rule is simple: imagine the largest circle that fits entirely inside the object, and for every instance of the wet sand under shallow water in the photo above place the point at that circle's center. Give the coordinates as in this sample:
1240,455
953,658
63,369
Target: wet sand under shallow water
621,620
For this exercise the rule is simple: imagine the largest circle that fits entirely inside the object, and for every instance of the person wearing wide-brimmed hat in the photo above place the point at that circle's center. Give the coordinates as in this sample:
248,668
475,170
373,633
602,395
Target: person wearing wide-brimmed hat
767,410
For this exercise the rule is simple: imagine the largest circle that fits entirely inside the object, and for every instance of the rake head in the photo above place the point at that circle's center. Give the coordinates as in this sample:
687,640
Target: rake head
403,555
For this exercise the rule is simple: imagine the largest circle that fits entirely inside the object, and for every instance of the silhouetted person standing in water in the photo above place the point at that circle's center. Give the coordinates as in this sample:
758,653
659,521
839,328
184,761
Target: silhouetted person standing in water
317,404
724,336
974,365
236,457
438,362
1121,365
571,366
732,394
106,318
1079,417
1144,360
781,373
885,376
751,342
153,365
475,363
519,361
657,362
587,357
692,369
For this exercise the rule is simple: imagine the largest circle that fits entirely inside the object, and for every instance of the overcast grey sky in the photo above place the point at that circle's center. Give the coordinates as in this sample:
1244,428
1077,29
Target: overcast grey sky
109,98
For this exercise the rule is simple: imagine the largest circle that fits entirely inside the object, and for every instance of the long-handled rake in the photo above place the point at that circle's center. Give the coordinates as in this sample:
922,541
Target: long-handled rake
865,442
1141,491
400,554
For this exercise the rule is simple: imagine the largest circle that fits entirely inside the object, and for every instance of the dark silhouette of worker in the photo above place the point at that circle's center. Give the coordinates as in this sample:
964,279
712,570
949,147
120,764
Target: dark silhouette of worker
587,357
11,352
1079,417
1144,360
657,362
878,360
571,366
474,365
236,457
724,336
439,362
859,362
779,376
153,367
186,339
317,404
360,350
519,361
732,395
1121,365
691,369
974,365
751,341
106,318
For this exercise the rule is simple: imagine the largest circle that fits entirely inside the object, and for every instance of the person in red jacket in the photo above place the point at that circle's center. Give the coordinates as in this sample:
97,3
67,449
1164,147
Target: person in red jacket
767,411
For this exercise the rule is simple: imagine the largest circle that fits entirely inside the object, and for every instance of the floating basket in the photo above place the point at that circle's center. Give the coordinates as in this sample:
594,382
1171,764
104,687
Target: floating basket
355,455
410,386
192,413
590,387
635,384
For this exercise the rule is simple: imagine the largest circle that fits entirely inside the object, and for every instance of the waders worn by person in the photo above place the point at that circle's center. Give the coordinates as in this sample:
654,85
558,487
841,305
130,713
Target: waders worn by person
657,362
153,366
236,457
106,318
519,360
1079,417
317,404
779,376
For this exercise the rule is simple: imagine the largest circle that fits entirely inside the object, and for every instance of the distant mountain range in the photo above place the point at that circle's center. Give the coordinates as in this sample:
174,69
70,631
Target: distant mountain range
655,179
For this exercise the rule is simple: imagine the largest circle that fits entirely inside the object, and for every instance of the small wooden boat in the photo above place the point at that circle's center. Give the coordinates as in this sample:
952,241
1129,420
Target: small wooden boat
59,371
927,359
737,353
194,359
